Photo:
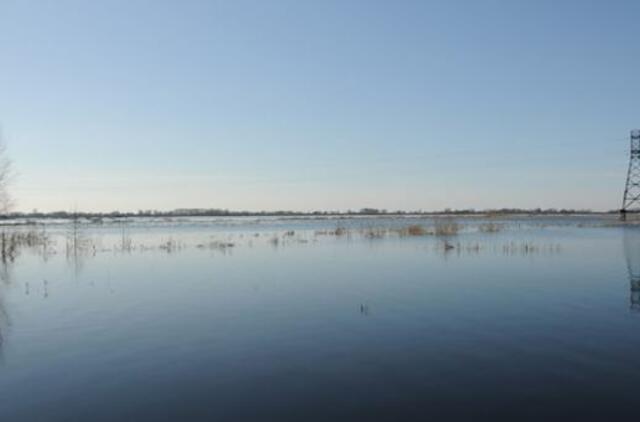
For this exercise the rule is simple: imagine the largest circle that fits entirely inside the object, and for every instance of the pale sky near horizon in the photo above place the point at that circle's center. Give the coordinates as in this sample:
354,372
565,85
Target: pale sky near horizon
331,104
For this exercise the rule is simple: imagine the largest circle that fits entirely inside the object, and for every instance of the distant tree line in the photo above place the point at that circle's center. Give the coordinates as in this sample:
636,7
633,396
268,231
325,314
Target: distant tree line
216,212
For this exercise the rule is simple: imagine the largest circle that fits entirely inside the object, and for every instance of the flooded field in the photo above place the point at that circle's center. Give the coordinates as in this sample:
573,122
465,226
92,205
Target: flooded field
319,319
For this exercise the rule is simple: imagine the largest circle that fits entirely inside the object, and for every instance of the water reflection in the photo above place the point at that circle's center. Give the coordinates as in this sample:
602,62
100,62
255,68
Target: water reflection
632,255
5,322
518,309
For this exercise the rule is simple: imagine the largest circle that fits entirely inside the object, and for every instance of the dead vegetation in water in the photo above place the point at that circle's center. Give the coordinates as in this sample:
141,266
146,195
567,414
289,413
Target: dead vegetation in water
440,229
126,243
338,231
77,242
413,230
447,227
291,237
440,233
13,241
375,232
171,245
490,228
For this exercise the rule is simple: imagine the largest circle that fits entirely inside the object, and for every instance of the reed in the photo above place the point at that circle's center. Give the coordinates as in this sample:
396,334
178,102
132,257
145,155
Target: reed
490,228
445,228
412,230
12,241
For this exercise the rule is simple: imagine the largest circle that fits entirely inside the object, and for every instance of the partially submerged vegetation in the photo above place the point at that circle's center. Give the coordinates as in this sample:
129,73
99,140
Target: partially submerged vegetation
81,238
413,230
340,230
447,227
490,227
440,228
13,241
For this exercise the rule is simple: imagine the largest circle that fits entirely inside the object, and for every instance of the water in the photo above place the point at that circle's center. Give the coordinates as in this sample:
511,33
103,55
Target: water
214,319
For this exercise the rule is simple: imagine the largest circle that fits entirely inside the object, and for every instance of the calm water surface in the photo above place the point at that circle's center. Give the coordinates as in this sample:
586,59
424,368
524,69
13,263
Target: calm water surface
239,320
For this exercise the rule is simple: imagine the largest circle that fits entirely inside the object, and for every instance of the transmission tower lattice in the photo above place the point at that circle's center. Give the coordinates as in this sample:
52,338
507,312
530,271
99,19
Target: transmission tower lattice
631,199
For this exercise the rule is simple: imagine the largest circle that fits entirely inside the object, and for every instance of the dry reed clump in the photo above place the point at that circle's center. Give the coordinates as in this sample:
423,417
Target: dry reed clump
413,230
490,228
447,228
416,230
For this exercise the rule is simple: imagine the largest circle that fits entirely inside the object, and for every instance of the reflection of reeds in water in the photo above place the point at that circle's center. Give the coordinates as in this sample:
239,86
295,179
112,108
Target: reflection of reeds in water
216,245
510,249
527,248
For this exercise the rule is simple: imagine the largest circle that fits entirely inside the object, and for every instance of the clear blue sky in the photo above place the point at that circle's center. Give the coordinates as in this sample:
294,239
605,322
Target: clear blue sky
331,104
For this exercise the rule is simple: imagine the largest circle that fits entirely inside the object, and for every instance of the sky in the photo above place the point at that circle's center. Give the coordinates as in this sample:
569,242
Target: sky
306,104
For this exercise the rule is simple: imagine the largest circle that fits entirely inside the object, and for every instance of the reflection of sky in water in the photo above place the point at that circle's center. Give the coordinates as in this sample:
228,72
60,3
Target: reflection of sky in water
323,325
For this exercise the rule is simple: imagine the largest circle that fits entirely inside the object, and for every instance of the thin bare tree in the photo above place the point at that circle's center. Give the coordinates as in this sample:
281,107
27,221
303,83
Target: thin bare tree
5,178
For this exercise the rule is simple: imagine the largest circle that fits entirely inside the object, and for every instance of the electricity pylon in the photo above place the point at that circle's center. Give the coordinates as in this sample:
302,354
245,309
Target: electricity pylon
632,189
